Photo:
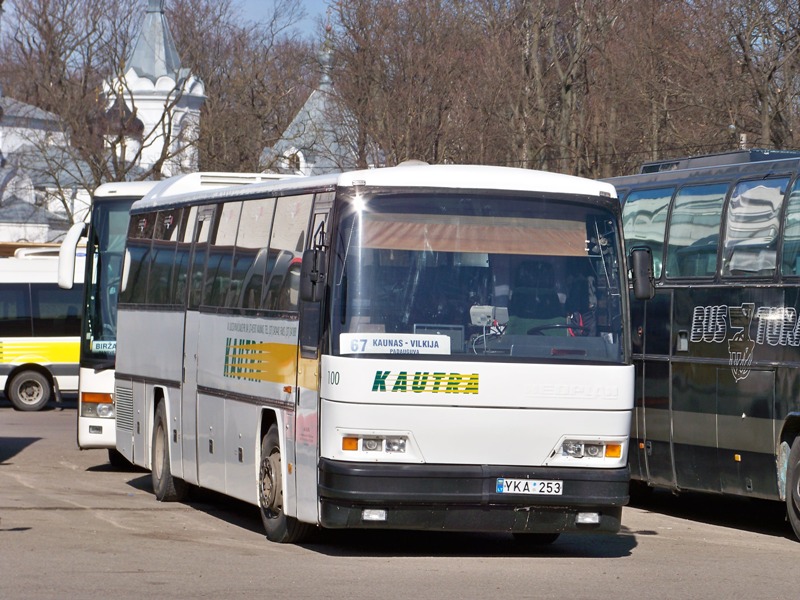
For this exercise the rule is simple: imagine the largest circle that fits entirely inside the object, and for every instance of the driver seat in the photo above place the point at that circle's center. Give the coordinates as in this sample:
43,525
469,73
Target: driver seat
534,301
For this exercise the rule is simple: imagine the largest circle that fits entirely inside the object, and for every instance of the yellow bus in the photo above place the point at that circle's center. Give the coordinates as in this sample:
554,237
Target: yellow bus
40,335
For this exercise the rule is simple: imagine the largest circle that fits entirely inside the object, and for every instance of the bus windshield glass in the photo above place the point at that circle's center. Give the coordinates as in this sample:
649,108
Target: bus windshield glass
104,251
477,277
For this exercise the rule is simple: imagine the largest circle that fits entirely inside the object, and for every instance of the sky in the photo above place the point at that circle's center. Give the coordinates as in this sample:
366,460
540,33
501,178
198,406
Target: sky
254,10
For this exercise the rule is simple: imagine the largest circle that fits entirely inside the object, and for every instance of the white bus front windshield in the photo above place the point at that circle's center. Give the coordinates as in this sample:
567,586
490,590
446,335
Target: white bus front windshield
104,252
477,277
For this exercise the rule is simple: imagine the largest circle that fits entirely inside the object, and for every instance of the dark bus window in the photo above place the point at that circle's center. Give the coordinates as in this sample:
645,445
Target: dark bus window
180,269
165,241
140,232
791,234
644,218
220,256
694,231
202,230
15,310
751,229
56,312
288,240
250,255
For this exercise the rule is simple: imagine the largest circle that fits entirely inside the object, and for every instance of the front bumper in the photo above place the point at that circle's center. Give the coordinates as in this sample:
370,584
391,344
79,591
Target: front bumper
464,498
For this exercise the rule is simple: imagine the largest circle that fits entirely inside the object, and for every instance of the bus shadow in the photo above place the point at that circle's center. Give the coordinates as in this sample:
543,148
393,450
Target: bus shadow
391,544
10,447
745,514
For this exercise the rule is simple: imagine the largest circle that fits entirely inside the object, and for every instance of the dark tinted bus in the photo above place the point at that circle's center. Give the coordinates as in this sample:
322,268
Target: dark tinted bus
717,349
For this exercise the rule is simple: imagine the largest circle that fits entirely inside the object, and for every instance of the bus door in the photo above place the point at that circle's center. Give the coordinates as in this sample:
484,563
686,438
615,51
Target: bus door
656,455
198,228
307,412
695,362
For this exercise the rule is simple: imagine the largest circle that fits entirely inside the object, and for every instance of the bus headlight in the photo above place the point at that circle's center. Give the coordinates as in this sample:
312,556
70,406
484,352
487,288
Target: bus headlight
97,405
594,449
389,444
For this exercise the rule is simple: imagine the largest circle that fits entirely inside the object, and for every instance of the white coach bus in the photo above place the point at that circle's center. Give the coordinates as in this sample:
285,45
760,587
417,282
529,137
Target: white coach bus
418,347
104,236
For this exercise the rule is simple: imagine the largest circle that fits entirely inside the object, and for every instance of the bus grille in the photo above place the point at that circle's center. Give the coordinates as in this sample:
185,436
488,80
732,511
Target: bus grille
124,408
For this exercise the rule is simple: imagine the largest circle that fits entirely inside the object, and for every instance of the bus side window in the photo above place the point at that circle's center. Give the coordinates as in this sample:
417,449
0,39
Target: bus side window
140,233
289,236
694,231
220,256
250,254
164,246
644,219
751,231
56,312
15,310
180,269
202,230
791,234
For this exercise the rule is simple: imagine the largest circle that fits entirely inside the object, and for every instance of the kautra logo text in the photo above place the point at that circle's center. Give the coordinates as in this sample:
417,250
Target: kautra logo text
423,381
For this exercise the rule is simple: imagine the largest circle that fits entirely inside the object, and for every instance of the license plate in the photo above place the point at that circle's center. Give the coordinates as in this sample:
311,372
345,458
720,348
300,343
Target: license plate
529,486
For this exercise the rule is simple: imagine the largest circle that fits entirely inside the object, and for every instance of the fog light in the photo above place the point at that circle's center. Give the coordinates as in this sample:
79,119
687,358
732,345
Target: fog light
373,514
593,450
587,518
371,444
97,429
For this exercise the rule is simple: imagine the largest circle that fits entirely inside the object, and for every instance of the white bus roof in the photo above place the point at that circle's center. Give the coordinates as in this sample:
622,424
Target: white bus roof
454,177
179,184
35,269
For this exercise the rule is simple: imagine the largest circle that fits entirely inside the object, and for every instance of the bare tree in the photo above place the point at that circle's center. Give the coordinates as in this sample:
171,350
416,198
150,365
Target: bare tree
256,76
401,68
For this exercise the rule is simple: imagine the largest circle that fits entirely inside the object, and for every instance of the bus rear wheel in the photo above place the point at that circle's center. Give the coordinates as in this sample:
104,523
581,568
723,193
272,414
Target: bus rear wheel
166,487
29,391
279,527
793,487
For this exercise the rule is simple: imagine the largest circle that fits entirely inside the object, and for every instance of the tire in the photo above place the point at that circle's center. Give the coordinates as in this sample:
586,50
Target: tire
117,459
29,391
793,487
535,539
166,487
279,527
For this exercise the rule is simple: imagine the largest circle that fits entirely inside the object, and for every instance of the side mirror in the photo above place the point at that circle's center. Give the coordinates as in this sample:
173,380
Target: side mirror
66,255
312,275
642,273
126,266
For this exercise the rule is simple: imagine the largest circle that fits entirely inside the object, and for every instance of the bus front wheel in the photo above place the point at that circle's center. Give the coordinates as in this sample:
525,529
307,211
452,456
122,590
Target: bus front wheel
279,527
29,391
793,487
166,487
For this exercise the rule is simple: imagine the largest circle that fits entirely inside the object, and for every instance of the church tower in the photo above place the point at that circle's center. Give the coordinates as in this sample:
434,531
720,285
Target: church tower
163,96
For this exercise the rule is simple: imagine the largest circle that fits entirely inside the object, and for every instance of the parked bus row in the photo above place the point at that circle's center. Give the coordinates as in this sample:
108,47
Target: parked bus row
326,319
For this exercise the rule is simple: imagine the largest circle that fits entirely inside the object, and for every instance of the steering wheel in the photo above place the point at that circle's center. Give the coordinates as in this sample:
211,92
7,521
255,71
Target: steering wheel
539,329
